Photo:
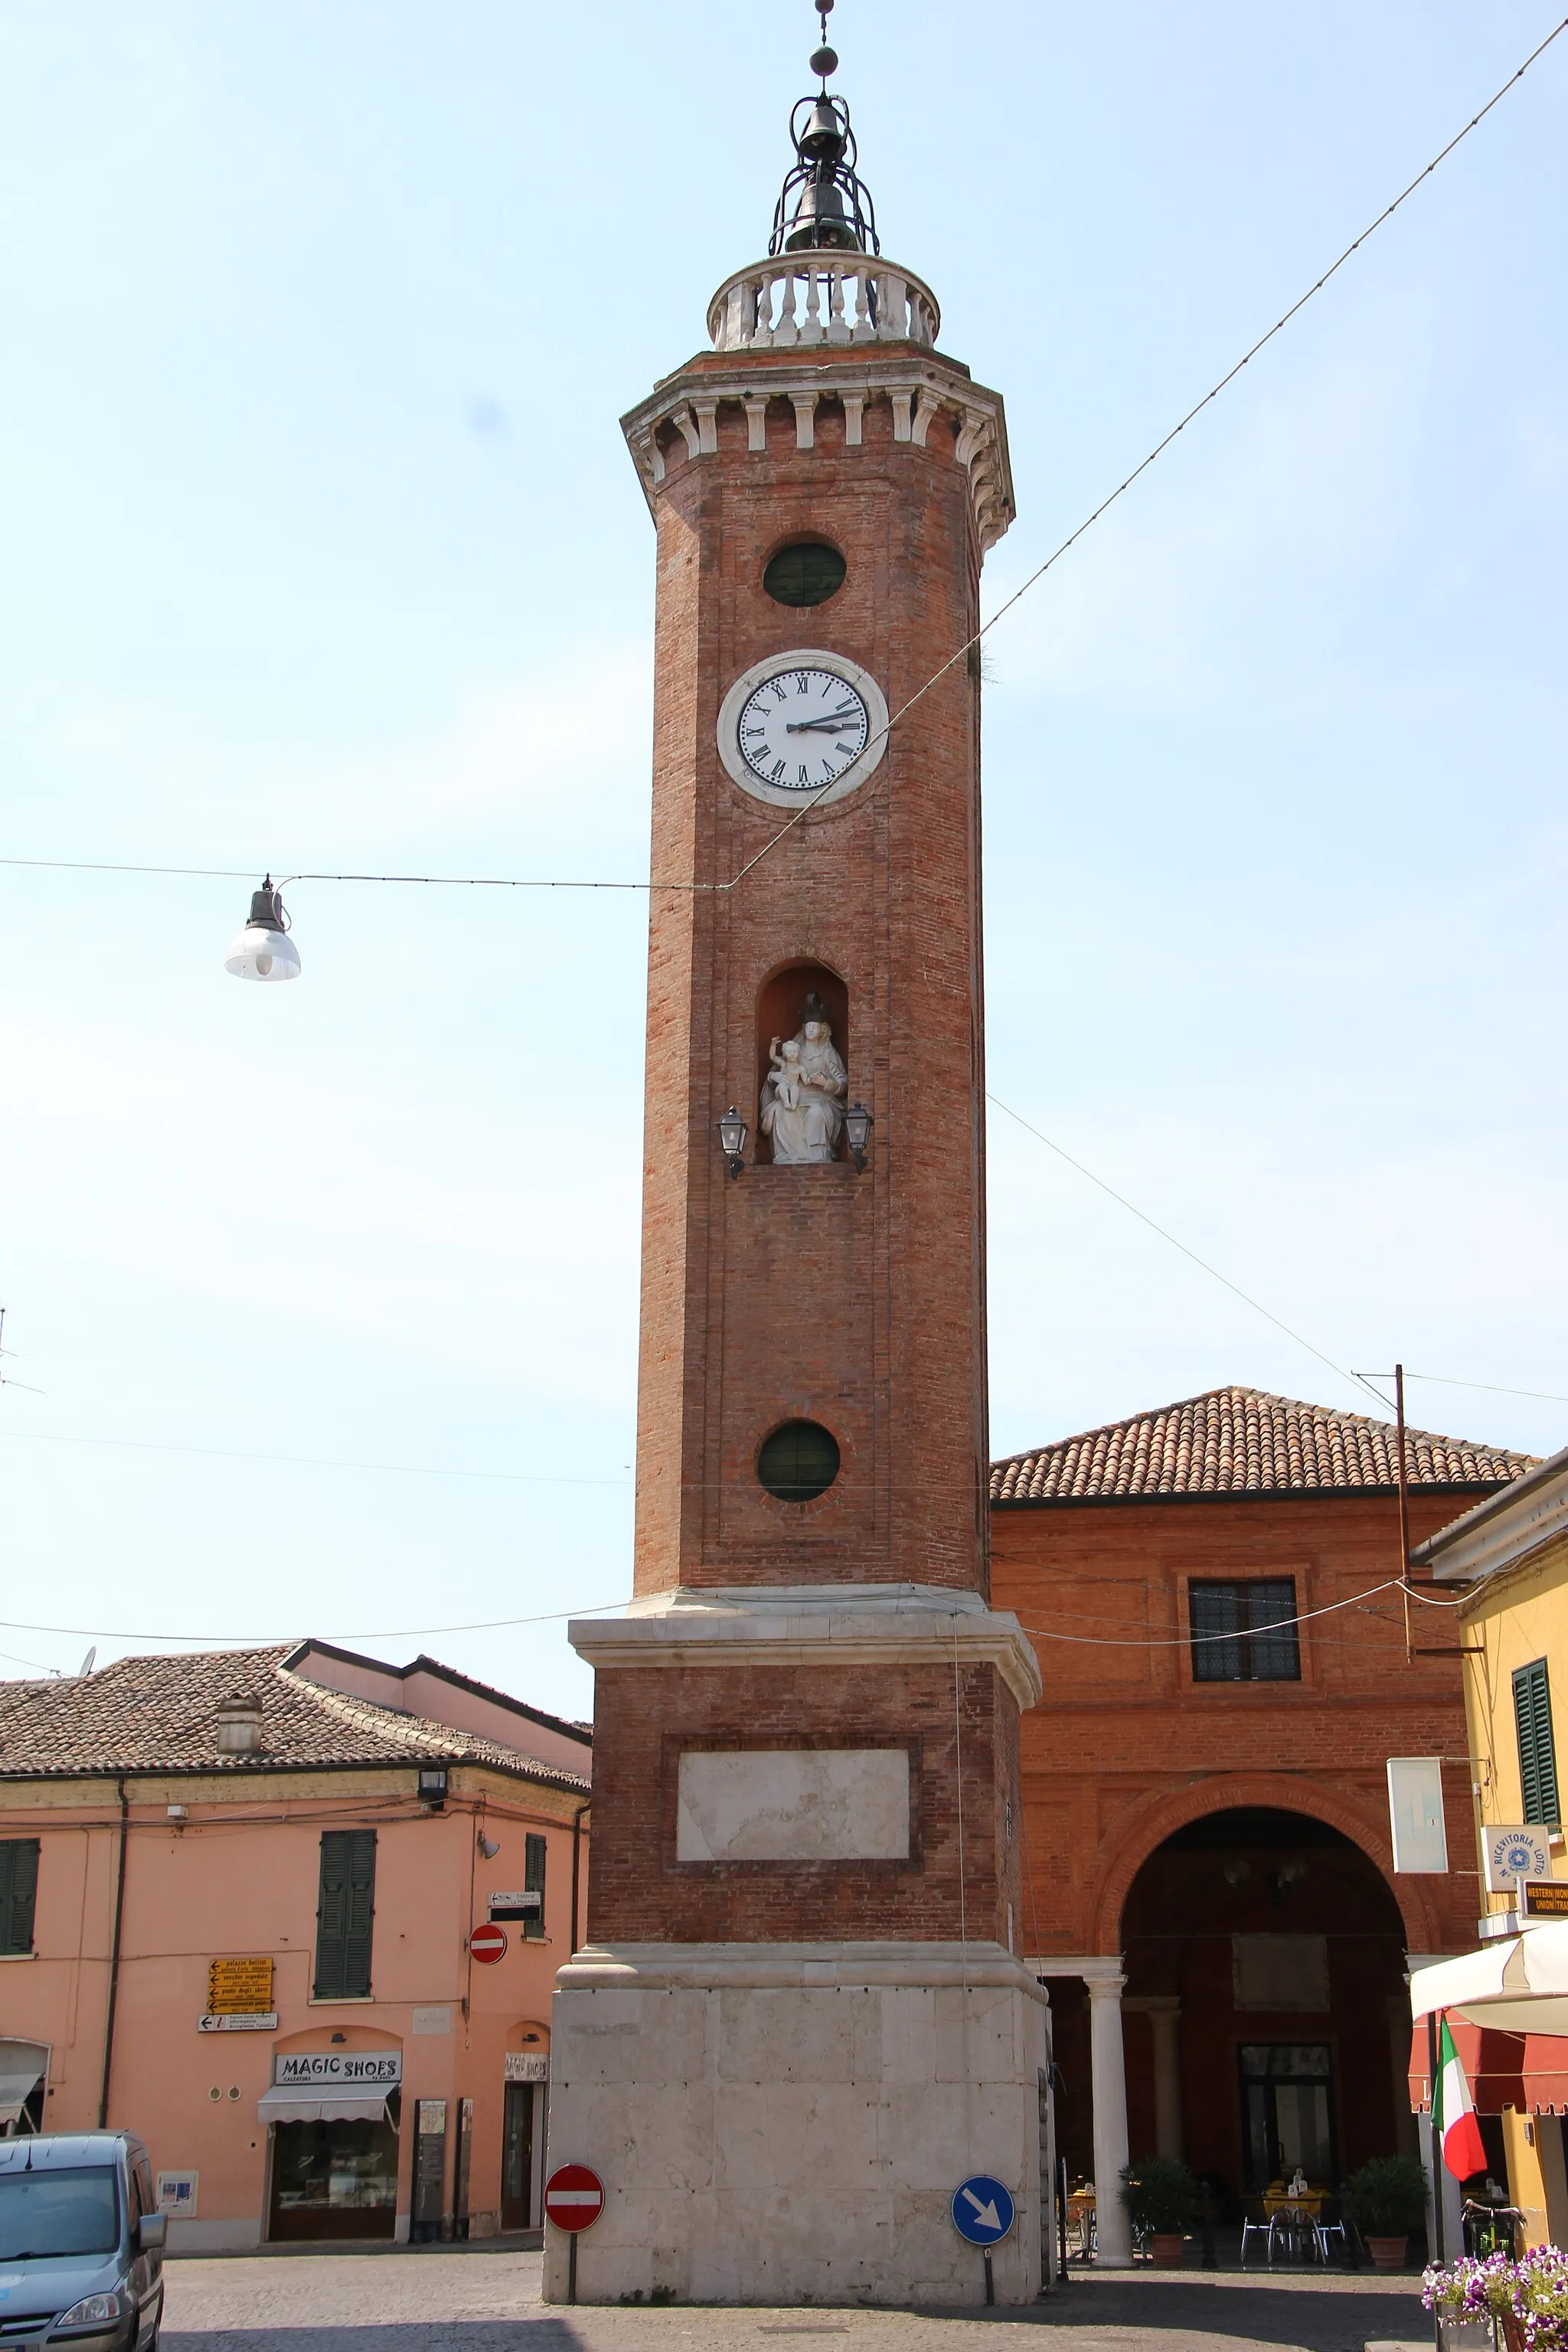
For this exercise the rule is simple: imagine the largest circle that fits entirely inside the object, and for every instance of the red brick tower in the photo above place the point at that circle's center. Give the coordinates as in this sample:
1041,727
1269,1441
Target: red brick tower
799,2024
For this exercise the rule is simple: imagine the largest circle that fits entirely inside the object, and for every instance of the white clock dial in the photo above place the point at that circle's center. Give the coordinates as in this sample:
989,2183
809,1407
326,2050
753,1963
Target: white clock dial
801,729
806,727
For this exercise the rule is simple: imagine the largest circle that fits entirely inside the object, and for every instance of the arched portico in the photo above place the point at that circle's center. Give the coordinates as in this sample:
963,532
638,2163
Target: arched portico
1284,1792
1245,1990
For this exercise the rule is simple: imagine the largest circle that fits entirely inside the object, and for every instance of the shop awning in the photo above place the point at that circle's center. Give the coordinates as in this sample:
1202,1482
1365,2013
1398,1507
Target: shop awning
1519,1984
1526,2072
284,2105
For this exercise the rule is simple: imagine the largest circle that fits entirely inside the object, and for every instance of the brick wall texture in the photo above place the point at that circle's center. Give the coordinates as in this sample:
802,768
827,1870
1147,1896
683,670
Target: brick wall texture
1125,1746
639,1893
811,1292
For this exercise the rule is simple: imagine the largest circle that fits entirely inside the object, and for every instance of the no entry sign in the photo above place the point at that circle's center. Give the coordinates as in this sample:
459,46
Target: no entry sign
574,2197
488,1944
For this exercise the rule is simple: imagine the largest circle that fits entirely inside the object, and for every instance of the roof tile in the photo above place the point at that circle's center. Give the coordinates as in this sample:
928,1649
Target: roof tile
160,1714
1245,1442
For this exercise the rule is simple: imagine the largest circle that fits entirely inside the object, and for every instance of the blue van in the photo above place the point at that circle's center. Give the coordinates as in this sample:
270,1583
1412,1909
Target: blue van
81,2248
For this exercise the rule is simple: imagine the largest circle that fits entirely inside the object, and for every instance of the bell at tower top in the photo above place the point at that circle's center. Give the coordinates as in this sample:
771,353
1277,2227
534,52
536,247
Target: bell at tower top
823,205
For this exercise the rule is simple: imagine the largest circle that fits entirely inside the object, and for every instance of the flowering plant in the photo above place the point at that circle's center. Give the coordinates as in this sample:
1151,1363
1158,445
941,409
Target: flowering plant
1528,2299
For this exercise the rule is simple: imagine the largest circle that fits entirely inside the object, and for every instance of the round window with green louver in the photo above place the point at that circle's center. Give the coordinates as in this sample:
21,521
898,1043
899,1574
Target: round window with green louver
807,573
798,1461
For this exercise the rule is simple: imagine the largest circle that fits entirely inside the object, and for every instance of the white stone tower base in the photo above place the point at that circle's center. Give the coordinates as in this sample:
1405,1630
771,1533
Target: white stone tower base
787,2123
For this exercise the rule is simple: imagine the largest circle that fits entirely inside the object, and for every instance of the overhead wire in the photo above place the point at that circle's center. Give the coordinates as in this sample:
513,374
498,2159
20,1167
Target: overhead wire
1120,1198
508,882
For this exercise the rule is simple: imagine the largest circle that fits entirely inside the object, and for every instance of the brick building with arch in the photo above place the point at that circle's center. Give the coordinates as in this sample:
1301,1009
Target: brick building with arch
1209,1890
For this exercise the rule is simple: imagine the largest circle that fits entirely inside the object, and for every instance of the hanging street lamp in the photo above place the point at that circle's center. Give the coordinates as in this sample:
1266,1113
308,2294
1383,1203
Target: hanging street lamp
262,948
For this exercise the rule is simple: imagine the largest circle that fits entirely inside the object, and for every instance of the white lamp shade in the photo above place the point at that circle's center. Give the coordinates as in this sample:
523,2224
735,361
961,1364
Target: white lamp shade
257,952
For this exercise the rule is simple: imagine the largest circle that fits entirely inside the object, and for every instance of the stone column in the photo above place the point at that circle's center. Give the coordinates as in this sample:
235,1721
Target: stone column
1112,2230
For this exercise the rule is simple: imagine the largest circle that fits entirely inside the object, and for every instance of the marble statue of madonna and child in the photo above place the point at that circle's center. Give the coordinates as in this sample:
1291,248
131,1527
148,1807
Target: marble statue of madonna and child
803,1095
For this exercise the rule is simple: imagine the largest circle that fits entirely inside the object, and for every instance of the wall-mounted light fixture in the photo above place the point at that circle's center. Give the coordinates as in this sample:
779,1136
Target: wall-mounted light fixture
261,949
433,1785
732,1139
857,1126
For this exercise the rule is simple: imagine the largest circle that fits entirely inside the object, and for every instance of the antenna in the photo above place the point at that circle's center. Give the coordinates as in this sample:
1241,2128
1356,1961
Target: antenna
87,1664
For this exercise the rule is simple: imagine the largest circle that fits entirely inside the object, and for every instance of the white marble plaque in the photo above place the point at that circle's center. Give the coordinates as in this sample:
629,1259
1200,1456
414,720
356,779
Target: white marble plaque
794,1804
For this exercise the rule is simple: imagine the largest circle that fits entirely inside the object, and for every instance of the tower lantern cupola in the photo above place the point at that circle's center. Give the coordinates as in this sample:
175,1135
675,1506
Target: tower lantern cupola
822,203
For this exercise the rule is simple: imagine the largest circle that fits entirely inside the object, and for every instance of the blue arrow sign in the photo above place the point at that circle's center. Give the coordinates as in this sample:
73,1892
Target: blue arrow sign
982,2209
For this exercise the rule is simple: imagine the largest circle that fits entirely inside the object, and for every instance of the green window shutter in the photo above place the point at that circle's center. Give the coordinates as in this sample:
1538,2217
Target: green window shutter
533,1852
345,1909
18,1892
1537,1749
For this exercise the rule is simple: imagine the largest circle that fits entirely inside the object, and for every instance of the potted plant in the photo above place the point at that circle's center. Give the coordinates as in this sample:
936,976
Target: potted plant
1387,2198
1161,2195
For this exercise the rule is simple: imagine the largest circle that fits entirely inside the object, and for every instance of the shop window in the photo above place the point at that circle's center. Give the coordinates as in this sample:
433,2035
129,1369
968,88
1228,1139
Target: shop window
18,1892
336,2179
1537,1753
1244,1633
533,1882
345,1908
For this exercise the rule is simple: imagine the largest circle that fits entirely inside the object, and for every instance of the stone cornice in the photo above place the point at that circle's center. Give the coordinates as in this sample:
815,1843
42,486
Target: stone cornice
918,385
813,1625
659,1968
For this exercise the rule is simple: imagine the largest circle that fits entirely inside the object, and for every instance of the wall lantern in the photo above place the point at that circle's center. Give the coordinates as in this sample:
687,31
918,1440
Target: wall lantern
433,1784
858,1125
262,948
732,1139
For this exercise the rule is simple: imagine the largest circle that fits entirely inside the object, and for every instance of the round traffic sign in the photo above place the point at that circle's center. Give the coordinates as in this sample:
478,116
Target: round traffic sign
487,1943
574,2197
982,2209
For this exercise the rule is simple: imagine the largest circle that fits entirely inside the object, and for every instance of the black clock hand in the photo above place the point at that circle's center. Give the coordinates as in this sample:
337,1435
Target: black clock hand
820,726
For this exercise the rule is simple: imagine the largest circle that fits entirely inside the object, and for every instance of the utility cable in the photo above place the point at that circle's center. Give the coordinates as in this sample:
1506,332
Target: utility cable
307,1461
503,882
1120,1198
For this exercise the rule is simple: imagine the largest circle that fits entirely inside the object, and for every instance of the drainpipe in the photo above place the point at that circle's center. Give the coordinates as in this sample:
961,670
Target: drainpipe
577,1862
114,1958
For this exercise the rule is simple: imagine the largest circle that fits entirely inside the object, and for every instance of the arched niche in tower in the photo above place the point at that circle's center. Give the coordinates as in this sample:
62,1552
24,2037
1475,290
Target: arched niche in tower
779,1002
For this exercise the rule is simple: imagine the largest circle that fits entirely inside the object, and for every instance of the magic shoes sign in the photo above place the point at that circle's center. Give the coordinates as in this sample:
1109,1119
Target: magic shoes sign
335,2069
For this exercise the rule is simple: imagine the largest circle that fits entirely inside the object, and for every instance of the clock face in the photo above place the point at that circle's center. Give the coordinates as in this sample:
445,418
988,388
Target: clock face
806,727
801,729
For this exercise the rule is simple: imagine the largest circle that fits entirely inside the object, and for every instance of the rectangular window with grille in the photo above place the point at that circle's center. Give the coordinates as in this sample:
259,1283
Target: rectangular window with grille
1537,1753
1244,1633
345,1908
18,1892
533,1881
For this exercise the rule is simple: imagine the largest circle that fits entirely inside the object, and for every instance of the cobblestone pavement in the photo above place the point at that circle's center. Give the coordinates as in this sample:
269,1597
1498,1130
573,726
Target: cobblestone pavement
473,2300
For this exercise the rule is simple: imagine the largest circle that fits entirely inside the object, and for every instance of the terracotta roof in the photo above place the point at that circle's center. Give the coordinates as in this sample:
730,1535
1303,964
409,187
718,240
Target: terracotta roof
155,1714
1246,1441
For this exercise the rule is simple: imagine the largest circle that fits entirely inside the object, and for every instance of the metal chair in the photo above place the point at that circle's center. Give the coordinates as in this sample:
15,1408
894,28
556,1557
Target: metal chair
1289,2234
1321,2232
1251,2229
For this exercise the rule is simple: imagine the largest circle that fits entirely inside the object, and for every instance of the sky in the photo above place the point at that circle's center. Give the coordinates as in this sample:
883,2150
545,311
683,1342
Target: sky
319,550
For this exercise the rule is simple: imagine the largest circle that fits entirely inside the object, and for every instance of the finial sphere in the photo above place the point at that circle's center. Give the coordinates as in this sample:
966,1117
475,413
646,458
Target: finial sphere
824,61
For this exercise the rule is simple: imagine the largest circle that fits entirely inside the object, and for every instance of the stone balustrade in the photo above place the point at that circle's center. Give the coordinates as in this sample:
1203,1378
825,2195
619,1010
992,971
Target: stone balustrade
822,298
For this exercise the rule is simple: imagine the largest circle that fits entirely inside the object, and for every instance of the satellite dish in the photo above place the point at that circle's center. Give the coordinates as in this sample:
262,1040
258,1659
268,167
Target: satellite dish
86,1662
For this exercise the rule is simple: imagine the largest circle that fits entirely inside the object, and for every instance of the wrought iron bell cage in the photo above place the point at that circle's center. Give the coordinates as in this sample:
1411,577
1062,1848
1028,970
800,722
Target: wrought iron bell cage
824,206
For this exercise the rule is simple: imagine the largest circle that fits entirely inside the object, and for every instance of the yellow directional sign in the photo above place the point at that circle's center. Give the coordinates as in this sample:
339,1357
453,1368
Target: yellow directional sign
239,1987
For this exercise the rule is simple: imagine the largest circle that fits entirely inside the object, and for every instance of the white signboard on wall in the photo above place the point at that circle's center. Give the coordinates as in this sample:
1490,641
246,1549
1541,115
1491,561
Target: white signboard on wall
528,2066
1415,1815
331,2070
1510,1854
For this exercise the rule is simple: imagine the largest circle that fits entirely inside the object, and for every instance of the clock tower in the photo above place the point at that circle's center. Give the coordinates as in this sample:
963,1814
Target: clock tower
798,2023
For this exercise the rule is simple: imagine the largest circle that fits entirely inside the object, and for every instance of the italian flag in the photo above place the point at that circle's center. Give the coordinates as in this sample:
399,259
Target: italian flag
1454,2112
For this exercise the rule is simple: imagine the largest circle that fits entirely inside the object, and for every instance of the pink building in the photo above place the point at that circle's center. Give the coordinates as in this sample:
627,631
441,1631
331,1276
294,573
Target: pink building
238,1901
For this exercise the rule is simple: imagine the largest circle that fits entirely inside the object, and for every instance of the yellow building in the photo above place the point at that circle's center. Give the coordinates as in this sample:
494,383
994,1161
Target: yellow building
1508,1560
